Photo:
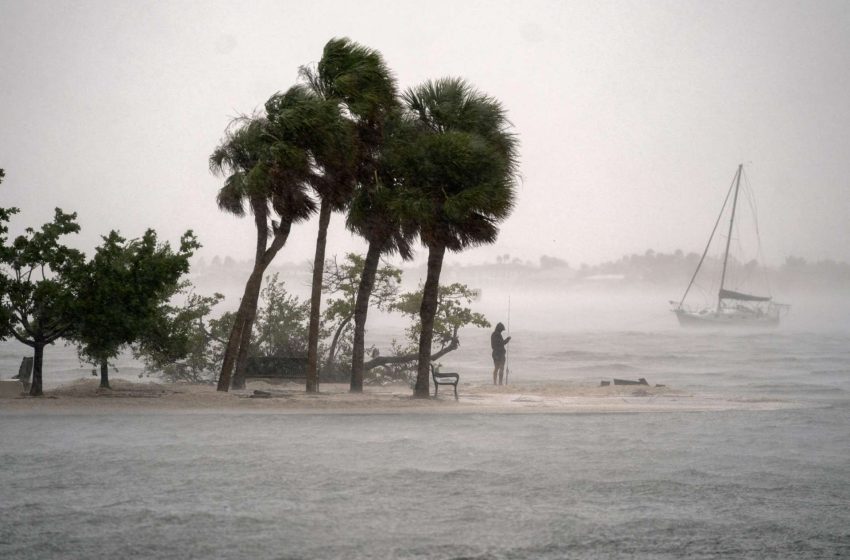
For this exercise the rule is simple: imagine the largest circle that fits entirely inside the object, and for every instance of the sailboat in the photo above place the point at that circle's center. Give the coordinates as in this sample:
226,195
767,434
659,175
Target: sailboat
733,307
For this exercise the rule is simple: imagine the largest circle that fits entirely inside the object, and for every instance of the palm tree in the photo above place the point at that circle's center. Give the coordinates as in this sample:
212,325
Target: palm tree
373,215
355,79
459,181
259,176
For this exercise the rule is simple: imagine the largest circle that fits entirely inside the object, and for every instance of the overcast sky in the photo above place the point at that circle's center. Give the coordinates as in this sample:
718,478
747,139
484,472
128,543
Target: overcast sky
632,115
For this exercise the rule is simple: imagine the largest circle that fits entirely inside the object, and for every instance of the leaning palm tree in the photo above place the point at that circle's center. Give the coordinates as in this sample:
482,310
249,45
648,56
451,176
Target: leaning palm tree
361,80
266,181
354,79
459,180
373,215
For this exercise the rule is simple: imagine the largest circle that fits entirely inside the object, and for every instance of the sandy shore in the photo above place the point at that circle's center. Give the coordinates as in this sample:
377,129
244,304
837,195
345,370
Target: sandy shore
84,396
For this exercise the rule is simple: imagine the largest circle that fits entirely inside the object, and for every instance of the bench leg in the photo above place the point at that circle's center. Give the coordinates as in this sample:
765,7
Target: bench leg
436,387
456,391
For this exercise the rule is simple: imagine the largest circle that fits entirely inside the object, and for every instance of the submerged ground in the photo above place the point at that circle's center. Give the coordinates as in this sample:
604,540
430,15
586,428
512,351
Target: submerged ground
743,454
235,484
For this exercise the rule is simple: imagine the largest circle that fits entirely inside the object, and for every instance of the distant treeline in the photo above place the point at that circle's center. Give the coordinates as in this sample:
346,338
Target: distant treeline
651,267
677,267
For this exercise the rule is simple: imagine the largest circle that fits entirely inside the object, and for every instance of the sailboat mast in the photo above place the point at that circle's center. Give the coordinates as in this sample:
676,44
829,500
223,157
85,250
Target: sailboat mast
710,239
729,237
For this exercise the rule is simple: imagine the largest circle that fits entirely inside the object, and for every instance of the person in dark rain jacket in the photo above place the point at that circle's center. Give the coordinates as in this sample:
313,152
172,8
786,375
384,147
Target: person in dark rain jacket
497,343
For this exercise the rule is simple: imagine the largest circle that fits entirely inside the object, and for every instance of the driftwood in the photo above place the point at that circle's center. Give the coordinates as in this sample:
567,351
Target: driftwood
640,381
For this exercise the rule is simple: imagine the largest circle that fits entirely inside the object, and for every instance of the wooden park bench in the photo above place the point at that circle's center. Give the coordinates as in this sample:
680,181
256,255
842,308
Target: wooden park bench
444,378
273,368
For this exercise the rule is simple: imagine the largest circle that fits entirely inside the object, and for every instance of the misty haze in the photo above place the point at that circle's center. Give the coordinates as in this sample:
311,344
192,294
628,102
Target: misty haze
441,280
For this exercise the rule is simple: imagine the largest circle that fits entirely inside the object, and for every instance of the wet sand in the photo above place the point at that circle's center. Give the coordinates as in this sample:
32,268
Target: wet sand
84,396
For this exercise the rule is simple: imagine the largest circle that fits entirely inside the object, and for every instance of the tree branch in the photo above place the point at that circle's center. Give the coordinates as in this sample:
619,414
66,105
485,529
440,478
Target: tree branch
22,340
58,333
209,335
22,318
386,360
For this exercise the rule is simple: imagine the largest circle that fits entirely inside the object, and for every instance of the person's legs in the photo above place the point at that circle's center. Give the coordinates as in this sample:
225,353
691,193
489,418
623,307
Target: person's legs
501,373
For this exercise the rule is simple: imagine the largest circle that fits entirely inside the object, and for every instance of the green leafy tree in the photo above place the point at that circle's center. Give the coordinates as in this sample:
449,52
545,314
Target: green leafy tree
342,283
459,175
39,284
452,314
282,322
186,345
125,286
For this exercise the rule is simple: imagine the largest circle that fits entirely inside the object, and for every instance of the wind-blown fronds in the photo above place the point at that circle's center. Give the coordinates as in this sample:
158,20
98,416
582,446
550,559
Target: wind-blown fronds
355,75
264,158
230,196
311,138
460,170
241,147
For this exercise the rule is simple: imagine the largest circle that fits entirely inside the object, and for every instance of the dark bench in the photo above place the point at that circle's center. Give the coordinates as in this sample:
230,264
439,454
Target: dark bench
276,368
447,378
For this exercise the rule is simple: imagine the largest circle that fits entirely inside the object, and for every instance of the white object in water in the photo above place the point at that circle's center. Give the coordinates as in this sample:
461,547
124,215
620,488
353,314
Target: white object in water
733,308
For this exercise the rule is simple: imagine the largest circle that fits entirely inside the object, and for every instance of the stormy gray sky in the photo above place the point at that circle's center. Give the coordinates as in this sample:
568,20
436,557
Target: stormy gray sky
632,115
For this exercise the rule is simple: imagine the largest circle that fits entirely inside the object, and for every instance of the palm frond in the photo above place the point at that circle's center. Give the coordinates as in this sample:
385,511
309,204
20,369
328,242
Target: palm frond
461,166
230,197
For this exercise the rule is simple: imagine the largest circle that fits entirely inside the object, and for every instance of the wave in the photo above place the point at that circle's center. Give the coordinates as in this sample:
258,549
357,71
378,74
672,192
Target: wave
798,388
612,367
831,372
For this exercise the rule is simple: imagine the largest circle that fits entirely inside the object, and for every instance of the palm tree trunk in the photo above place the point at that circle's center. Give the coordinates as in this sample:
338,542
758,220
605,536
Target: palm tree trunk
239,333
104,375
248,306
232,348
260,208
361,309
426,317
37,360
316,300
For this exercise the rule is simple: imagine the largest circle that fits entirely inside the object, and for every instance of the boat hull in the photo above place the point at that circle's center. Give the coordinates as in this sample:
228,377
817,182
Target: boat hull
725,319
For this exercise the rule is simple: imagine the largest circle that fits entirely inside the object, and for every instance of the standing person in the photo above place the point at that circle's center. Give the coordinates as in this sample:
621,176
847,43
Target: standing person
497,343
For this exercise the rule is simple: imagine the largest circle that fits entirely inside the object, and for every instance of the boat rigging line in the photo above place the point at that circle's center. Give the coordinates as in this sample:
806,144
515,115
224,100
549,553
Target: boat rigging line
710,238
507,350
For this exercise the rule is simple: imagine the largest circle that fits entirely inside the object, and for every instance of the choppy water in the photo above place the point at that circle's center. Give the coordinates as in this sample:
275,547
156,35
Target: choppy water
739,484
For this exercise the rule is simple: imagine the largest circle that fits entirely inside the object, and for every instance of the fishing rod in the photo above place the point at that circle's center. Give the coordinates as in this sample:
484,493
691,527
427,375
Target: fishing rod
507,351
